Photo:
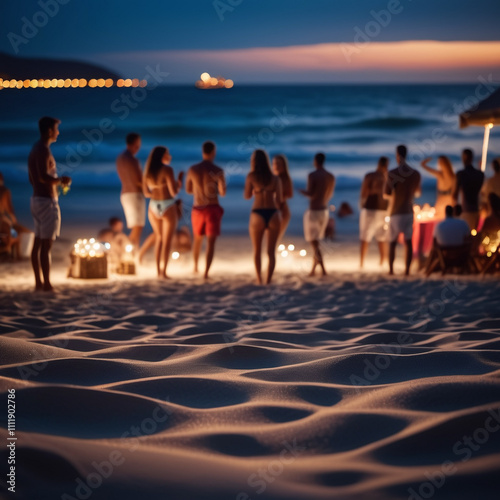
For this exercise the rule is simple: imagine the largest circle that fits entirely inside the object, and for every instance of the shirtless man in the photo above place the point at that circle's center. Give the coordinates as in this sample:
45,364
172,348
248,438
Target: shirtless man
132,198
374,210
206,181
44,202
320,187
403,186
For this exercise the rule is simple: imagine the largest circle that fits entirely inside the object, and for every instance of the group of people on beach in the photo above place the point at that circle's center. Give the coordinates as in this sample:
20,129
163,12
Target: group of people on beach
387,199
269,184
384,194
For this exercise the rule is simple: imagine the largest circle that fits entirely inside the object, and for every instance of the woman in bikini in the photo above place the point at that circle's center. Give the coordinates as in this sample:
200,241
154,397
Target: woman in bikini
265,215
280,169
160,185
445,183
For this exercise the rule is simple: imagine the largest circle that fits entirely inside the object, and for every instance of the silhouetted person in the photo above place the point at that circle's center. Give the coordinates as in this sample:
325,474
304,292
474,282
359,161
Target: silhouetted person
206,182
446,179
372,223
265,216
132,197
491,185
9,219
280,168
451,232
161,186
320,187
44,202
467,188
403,185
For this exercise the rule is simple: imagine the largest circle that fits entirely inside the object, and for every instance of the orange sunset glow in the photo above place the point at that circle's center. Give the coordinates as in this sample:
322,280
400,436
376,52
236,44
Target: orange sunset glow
423,59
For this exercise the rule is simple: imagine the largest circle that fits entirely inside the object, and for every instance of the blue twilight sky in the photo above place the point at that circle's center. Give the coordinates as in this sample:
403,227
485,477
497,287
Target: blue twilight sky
184,35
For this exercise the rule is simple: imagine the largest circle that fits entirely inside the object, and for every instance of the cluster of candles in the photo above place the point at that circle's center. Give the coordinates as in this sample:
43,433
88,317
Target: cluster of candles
211,82
424,213
68,82
90,248
286,251
93,248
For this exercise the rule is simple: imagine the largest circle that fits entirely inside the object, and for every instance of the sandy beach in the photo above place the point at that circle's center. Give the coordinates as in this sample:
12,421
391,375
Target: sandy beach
355,386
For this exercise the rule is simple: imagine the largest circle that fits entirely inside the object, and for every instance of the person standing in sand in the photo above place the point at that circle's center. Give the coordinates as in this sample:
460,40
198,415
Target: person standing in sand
132,197
44,202
161,186
491,186
280,169
372,221
445,183
468,186
265,215
206,182
320,188
403,186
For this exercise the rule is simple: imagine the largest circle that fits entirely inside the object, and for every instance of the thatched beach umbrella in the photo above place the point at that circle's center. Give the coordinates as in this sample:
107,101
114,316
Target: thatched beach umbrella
487,114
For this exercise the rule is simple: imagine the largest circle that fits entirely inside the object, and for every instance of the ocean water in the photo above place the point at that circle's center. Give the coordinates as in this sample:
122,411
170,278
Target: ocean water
352,125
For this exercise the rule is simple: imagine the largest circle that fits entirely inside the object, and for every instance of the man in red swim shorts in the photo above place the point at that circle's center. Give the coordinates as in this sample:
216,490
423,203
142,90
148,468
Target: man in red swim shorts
206,181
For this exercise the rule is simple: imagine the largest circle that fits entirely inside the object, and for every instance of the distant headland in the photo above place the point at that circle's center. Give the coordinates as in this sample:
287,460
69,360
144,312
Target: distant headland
25,68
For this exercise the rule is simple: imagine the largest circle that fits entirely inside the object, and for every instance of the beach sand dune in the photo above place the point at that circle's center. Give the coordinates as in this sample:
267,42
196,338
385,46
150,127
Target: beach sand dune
353,387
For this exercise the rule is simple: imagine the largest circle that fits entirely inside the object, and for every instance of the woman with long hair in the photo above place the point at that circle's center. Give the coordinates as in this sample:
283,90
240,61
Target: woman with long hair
265,216
445,183
280,169
160,185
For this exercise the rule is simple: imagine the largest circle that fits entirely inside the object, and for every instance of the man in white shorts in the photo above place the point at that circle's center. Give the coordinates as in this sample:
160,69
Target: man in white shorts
132,197
403,186
320,187
372,223
44,202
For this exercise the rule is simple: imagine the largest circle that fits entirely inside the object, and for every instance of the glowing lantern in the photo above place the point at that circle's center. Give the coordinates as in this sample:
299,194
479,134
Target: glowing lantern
229,84
108,82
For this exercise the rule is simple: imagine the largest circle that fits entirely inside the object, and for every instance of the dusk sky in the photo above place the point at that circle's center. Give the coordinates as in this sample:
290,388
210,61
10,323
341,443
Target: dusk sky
265,41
